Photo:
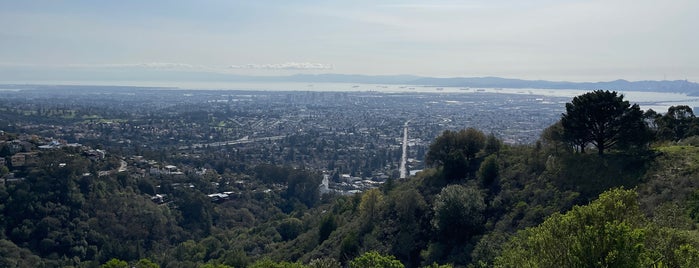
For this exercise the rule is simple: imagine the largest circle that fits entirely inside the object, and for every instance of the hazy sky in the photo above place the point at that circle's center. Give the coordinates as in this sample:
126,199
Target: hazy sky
576,40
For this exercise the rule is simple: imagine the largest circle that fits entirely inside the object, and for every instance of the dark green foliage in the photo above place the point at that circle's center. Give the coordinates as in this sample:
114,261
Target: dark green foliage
488,248
458,211
303,186
196,210
290,228
13,256
146,186
327,226
590,175
120,230
271,174
5,150
678,123
605,120
409,210
46,211
488,173
349,247
693,206
234,258
454,151
458,218
67,217
492,144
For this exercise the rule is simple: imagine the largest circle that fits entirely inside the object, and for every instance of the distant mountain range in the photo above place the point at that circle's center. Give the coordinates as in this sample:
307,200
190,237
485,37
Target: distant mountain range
678,86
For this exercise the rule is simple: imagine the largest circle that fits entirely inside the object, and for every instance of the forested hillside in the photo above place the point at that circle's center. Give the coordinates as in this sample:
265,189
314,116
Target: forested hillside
480,203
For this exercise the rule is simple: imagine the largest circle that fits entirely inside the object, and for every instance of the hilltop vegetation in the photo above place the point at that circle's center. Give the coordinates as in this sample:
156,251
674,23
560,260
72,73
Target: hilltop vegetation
480,203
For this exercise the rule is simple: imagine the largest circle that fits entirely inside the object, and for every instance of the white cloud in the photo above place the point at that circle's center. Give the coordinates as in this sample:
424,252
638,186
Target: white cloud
286,66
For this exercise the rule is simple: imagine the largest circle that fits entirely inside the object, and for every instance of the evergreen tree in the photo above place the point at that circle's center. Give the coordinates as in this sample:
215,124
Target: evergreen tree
605,120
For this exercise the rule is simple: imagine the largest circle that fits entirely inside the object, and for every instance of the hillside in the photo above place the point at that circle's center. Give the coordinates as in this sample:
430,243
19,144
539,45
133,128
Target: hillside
403,218
531,186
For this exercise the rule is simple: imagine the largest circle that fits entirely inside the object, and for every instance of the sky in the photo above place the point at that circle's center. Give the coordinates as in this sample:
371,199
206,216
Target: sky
562,40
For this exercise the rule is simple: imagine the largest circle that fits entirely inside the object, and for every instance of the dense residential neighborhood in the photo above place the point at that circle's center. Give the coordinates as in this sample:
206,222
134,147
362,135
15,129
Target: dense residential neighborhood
353,134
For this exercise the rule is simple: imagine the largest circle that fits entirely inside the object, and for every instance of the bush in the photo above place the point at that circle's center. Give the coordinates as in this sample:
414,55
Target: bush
373,259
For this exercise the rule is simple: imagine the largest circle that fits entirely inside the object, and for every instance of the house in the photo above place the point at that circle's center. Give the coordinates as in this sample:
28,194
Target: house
51,145
159,198
95,154
219,197
170,169
24,159
10,178
19,159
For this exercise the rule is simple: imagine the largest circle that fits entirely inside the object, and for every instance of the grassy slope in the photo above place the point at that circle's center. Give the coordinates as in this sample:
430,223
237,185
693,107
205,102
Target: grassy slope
671,178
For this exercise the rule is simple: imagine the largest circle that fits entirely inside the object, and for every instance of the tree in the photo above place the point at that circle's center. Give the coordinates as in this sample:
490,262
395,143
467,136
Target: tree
115,263
605,120
146,263
458,213
290,228
327,226
349,246
12,255
472,142
303,185
492,144
678,123
455,150
652,119
373,259
410,227
370,206
196,210
553,137
190,251
488,172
